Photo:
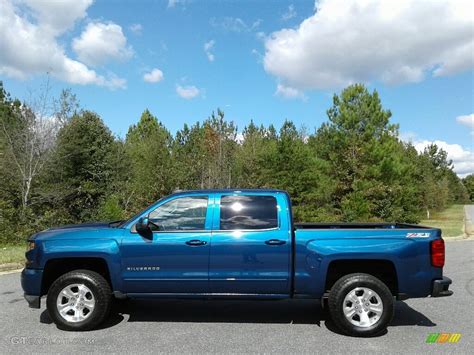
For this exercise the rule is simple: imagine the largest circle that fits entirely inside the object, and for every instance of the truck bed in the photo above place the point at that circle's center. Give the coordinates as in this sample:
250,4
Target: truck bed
309,225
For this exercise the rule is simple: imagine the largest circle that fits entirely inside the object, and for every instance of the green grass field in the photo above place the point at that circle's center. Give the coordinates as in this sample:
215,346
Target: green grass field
451,221
12,254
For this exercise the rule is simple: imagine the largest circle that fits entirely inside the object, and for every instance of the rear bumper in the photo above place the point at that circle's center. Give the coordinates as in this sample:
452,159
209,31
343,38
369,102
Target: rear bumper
441,287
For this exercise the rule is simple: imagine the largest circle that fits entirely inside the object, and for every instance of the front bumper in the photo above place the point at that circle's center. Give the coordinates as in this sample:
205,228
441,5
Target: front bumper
31,284
441,287
33,301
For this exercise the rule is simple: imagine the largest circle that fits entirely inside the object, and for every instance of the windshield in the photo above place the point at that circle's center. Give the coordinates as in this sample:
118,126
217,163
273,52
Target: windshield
122,223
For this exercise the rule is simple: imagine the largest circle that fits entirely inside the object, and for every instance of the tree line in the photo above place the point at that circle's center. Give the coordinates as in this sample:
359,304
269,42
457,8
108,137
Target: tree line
61,164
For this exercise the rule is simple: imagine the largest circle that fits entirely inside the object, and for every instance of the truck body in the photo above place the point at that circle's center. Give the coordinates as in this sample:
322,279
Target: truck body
235,243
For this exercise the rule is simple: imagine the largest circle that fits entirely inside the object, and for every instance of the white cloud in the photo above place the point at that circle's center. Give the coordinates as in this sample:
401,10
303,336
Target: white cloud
234,24
467,120
58,16
101,42
187,92
289,14
31,47
258,55
289,92
463,159
208,47
175,3
136,28
348,41
261,36
153,76
239,138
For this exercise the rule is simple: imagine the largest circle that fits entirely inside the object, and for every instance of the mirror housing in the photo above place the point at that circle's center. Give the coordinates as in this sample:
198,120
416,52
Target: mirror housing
143,227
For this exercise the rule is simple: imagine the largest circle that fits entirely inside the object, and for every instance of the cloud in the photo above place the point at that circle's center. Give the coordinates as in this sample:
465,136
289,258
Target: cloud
175,3
56,17
30,47
234,24
261,36
136,28
239,138
101,42
347,41
154,76
187,92
467,120
257,54
289,14
463,159
208,46
289,92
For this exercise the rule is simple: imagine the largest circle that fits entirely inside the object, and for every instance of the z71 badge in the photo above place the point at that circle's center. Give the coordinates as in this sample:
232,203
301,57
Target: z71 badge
418,235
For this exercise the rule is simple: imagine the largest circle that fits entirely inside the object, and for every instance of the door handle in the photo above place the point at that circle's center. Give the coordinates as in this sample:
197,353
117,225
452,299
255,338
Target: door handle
275,242
196,242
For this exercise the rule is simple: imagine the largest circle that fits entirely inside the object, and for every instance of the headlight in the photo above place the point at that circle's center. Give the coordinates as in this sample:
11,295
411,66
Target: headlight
30,246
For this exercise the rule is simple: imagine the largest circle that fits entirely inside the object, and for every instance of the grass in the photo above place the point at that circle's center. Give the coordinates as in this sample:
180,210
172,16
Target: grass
12,254
451,221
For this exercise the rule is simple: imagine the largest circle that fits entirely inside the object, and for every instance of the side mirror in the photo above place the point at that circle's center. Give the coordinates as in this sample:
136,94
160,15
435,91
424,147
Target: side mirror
143,227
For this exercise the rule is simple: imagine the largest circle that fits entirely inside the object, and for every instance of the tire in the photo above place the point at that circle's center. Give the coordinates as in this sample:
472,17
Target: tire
365,316
85,300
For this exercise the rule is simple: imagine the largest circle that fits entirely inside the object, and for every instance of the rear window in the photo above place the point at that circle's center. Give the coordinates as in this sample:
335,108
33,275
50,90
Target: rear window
248,212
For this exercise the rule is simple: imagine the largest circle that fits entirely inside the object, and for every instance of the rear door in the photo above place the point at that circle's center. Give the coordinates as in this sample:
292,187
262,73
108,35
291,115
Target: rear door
250,244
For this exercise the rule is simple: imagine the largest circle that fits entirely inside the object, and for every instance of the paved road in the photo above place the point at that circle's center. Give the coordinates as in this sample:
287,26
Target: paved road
253,326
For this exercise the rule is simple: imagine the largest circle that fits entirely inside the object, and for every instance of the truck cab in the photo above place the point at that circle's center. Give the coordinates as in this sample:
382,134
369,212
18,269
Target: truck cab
224,242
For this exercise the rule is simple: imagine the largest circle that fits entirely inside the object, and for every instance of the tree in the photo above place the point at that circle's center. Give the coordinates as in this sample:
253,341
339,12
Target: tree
28,133
440,185
220,147
468,182
254,154
189,157
148,147
297,170
65,107
366,158
82,169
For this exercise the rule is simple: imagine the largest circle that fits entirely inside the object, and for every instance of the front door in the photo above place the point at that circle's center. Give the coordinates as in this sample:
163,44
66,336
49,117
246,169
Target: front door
250,245
175,259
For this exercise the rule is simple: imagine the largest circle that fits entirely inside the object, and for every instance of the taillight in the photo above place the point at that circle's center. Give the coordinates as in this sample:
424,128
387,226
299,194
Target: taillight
437,253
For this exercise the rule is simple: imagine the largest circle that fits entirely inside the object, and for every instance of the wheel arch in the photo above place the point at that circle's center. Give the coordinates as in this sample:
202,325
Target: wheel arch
56,267
382,269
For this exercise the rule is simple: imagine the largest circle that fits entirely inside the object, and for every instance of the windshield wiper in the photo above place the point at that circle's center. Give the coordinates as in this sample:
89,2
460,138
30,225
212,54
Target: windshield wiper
116,224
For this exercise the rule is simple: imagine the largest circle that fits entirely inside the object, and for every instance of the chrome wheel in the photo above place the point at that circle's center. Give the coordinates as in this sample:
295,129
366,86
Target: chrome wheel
75,303
362,307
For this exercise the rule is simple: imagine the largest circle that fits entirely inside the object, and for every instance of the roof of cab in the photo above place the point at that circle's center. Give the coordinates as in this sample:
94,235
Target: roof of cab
210,191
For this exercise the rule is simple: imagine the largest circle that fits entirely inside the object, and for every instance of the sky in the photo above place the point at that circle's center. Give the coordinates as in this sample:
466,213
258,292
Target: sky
261,60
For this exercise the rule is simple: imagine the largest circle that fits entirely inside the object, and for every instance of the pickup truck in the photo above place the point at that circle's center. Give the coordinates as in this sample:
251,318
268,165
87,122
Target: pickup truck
233,244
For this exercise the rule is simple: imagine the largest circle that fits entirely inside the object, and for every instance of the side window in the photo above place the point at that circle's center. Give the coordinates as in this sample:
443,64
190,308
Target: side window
248,212
184,213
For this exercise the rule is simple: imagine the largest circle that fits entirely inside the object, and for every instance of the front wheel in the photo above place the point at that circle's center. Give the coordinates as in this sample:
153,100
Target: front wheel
79,300
361,305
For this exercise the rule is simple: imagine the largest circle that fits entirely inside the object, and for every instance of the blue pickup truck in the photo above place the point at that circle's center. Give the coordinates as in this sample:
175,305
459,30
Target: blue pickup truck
233,244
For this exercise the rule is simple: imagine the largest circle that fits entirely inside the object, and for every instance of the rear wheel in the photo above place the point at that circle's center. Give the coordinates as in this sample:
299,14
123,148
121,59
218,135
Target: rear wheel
79,300
361,305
